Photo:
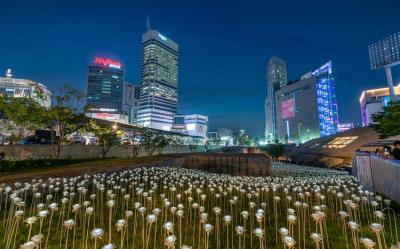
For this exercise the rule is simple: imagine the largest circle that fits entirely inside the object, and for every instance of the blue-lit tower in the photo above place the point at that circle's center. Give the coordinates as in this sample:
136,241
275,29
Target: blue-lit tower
326,100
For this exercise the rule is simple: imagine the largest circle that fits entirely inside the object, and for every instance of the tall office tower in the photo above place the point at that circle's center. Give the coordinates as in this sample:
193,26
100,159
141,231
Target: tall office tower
130,101
104,89
158,102
276,79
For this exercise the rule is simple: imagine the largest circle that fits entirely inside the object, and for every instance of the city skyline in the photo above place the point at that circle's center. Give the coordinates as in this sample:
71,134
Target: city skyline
225,82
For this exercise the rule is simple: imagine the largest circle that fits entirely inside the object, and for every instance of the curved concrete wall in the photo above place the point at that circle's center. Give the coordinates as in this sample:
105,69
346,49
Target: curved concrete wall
233,164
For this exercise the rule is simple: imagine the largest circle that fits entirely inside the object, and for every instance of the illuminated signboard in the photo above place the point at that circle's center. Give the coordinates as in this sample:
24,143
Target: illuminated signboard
288,108
109,116
162,37
385,52
107,62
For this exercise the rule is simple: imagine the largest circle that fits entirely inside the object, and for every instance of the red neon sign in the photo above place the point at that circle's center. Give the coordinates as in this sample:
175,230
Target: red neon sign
107,62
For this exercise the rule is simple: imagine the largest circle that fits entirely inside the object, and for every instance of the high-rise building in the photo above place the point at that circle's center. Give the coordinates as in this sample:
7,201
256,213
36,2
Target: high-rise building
104,89
130,101
158,101
24,88
372,101
276,79
307,108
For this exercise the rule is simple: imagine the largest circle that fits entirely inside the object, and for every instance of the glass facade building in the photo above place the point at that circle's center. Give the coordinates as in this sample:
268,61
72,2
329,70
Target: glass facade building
104,89
158,102
326,100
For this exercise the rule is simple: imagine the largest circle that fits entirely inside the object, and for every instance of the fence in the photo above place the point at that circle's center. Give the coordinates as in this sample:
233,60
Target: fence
86,151
378,174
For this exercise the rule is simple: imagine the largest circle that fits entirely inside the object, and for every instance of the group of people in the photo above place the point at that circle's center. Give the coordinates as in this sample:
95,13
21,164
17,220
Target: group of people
387,151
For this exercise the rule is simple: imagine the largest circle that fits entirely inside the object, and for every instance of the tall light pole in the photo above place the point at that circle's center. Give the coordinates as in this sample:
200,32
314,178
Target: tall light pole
299,131
385,54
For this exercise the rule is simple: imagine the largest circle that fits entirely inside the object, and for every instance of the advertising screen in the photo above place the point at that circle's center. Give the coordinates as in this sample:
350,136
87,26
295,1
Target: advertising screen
288,108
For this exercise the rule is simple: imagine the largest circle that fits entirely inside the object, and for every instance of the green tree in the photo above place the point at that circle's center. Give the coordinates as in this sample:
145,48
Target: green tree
150,142
274,150
386,123
137,141
176,143
21,114
153,141
107,137
65,116
162,142
192,147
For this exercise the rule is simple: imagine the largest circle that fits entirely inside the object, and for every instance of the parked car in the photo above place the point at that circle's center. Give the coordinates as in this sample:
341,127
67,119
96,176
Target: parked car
40,137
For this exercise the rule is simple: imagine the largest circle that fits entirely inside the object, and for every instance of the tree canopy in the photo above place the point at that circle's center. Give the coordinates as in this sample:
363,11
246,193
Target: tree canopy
387,122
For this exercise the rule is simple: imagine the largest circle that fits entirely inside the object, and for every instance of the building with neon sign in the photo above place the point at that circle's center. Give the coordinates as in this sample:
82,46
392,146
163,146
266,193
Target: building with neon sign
158,102
104,89
307,108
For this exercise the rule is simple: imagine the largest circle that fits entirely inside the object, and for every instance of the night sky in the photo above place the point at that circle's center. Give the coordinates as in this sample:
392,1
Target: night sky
224,46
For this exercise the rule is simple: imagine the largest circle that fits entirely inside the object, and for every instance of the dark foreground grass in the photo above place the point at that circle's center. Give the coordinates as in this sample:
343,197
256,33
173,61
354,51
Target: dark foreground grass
144,190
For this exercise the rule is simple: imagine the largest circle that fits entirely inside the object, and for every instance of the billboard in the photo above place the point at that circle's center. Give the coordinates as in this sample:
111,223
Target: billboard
288,108
385,52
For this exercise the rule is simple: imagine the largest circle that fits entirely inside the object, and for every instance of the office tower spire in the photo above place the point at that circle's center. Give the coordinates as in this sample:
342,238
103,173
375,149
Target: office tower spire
148,26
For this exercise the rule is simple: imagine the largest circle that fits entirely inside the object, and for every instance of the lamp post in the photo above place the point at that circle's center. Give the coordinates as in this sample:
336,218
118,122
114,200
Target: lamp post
299,131
115,126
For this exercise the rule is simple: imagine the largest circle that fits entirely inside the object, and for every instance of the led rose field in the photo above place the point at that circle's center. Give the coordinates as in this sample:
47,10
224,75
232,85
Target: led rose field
160,207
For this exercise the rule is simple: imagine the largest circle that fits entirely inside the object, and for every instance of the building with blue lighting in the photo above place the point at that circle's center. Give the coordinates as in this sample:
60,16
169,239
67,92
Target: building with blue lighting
307,108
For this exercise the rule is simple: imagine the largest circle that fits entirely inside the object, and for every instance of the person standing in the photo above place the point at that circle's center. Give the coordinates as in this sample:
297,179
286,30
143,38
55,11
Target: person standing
396,150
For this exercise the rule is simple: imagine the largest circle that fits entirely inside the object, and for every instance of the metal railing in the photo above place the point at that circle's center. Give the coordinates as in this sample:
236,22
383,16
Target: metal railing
378,174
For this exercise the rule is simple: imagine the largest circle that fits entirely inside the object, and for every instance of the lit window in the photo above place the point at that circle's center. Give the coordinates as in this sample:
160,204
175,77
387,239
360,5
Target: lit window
340,142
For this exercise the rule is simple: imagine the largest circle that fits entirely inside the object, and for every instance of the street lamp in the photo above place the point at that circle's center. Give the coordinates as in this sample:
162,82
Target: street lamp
114,126
299,131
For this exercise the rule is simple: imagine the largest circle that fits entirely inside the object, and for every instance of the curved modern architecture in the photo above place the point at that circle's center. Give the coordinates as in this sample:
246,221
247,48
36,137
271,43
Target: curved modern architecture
24,88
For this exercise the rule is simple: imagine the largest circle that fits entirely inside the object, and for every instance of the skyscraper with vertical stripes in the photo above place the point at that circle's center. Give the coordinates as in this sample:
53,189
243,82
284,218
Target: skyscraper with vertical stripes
158,102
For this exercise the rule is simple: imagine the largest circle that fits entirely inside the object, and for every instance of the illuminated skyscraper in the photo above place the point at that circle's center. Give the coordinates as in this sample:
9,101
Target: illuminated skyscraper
104,89
158,102
276,79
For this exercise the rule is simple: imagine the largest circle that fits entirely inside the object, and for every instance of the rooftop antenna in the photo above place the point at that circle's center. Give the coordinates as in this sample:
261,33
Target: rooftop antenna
148,23
9,73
